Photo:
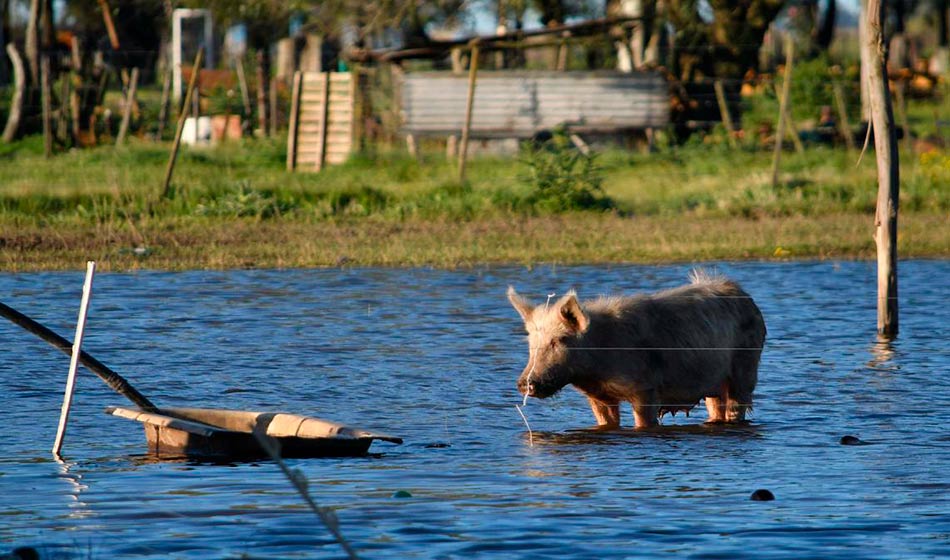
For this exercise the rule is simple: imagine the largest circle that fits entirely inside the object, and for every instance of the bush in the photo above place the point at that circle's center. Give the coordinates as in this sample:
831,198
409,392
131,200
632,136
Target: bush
562,177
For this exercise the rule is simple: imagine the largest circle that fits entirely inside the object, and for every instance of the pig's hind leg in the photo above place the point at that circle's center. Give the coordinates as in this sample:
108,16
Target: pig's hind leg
607,414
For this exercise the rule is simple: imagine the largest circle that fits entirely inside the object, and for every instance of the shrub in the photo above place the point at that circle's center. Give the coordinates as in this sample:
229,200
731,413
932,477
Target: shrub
562,177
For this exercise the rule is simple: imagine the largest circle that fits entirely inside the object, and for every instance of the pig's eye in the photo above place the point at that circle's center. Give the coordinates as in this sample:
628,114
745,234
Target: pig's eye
553,344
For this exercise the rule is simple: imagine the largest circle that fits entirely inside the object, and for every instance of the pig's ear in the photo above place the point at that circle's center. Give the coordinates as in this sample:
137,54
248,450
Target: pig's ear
520,304
571,314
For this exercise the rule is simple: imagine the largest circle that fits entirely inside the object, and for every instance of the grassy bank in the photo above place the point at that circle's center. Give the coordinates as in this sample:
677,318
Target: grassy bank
235,206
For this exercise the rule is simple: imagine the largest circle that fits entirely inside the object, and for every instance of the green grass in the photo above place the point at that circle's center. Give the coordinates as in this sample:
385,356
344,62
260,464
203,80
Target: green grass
236,205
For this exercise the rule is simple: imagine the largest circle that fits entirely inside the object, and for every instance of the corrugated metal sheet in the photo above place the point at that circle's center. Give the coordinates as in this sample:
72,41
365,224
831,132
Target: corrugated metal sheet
522,103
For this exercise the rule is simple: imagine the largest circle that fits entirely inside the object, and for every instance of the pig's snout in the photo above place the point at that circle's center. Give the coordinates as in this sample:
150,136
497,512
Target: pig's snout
525,386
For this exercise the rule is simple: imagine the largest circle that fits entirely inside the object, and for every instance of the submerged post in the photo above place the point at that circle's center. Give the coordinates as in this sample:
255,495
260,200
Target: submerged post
74,359
888,171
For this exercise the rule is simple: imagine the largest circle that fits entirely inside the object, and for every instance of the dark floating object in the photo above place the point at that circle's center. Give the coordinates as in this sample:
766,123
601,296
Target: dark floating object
229,434
401,494
762,495
850,440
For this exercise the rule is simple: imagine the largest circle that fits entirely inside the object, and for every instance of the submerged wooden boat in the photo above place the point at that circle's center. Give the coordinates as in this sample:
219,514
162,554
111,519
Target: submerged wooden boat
229,434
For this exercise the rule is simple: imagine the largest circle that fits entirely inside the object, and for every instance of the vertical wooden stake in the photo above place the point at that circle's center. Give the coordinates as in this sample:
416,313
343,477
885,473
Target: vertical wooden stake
261,95
163,108
888,171
783,108
411,146
127,110
74,360
294,115
273,108
791,128
451,147
242,83
844,126
166,185
466,128
46,95
324,125
724,112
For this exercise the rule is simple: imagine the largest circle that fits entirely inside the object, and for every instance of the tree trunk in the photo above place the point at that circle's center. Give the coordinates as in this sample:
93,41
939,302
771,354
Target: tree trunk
888,170
31,48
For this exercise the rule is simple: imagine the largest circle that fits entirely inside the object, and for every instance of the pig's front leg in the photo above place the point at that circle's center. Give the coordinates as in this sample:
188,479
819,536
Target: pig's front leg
645,409
607,415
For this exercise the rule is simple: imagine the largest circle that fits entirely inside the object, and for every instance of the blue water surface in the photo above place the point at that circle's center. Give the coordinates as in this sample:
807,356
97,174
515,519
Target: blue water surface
432,356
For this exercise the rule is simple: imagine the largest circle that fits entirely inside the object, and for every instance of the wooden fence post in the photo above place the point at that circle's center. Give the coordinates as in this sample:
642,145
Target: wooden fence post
724,112
783,108
844,126
163,108
127,110
185,106
466,128
888,172
273,107
46,92
261,95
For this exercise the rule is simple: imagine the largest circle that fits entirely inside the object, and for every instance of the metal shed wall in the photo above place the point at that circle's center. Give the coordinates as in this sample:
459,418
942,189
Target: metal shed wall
519,104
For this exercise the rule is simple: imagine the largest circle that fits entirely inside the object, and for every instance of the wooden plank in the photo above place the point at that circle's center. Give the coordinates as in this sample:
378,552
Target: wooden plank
294,119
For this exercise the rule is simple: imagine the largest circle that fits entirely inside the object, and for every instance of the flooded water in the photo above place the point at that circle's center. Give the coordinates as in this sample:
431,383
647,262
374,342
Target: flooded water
432,356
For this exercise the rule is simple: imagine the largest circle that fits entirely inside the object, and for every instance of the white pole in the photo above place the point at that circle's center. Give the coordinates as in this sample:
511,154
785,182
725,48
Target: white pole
74,361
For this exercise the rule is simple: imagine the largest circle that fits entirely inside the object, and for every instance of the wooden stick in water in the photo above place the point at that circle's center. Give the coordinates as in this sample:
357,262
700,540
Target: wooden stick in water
74,359
112,379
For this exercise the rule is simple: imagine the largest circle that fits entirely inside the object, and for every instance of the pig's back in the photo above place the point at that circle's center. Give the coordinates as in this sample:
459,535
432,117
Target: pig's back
684,337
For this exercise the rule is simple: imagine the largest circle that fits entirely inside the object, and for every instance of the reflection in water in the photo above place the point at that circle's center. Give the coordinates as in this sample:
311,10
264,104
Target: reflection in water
78,509
883,352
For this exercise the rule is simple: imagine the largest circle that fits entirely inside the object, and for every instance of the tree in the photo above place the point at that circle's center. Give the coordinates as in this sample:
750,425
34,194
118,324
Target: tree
726,46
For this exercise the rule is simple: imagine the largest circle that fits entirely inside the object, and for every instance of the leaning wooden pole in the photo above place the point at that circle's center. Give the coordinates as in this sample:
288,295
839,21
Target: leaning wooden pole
185,106
888,171
127,110
469,105
112,379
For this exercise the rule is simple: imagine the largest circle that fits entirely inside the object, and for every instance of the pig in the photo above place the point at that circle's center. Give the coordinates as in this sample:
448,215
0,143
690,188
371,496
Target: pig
661,352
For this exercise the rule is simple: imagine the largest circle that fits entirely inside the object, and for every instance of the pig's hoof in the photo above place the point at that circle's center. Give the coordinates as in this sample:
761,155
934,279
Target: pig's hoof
762,495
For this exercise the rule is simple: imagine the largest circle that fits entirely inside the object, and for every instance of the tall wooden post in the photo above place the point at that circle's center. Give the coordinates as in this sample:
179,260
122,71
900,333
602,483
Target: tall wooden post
466,128
724,113
261,94
46,93
185,106
783,107
888,171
